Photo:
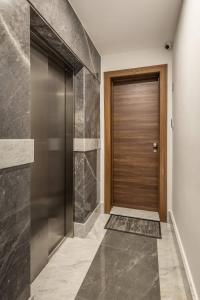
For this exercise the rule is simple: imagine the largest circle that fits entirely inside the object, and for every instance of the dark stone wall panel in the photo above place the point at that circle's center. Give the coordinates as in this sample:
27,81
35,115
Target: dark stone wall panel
62,18
87,105
87,125
79,188
15,124
90,180
92,106
86,179
79,130
15,233
15,69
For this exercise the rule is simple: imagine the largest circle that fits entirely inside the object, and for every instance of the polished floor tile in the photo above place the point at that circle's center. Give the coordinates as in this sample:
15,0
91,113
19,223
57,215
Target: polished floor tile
63,275
98,231
129,212
125,267
67,270
172,283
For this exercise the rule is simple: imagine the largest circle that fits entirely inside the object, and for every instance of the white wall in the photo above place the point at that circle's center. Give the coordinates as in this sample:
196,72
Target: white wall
139,58
186,153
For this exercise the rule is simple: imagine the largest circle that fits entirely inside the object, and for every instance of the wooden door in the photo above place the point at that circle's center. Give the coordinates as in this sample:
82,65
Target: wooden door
135,128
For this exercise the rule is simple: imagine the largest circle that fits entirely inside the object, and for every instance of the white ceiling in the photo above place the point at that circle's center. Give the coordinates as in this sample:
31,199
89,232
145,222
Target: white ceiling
124,25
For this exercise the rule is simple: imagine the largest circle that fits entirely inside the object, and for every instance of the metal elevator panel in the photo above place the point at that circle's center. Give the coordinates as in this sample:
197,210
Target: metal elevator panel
39,174
52,170
56,154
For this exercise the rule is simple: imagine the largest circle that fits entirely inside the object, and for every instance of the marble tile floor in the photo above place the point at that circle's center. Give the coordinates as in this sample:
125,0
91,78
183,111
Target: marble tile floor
125,267
64,274
129,212
173,285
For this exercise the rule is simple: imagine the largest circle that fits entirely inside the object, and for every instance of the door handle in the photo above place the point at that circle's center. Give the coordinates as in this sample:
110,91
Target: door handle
155,147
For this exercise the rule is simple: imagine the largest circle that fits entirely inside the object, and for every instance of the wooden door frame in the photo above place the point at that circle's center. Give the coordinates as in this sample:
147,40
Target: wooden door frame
108,79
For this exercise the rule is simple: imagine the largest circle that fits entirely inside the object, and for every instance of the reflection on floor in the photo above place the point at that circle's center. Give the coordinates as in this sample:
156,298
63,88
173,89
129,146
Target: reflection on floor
63,277
64,274
125,267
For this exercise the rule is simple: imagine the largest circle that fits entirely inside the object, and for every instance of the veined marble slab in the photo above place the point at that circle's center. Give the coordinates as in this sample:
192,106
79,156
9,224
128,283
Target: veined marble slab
125,267
82,229
87,144
62,18
16,152
66,270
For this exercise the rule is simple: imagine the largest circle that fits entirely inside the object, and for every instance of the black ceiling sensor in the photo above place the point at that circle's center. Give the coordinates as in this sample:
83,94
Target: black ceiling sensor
168,45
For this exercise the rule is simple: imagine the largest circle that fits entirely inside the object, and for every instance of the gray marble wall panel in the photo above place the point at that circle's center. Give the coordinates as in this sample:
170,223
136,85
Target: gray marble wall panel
79,186
50,37
92,106
14,124
79,130
60,15
90,180
85,184
87,105
87,130
14,233
15,69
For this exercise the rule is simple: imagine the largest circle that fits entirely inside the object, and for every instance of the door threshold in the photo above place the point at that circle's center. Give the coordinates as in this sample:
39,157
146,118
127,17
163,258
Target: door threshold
130,212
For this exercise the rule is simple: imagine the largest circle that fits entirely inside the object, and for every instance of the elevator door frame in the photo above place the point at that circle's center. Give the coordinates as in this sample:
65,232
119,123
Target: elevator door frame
161,70
38,43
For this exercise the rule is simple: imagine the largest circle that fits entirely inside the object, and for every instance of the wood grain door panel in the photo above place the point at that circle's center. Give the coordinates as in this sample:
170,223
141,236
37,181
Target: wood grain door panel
135,127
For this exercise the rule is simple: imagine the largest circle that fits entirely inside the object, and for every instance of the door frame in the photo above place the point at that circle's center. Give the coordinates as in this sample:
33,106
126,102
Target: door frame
161,70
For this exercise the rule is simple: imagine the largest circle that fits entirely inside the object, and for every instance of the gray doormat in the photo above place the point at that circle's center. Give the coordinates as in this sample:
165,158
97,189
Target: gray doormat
149,228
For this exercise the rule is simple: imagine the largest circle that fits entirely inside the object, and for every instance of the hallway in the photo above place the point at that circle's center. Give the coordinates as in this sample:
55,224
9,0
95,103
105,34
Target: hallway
83,268
99,150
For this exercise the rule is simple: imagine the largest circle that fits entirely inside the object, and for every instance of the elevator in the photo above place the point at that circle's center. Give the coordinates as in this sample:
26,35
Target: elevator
52,171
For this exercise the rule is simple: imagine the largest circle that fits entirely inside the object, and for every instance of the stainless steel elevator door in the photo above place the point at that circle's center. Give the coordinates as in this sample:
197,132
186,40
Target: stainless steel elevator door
48,171
39,176
56,154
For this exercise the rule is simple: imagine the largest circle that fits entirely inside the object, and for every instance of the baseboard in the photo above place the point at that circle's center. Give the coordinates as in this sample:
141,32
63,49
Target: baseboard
184,258
82,229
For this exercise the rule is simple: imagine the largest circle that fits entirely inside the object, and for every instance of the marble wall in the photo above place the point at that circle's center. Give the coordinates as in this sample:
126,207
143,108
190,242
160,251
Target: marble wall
14,233
85,169
14,124
15,102
87,105
87,113
15,70
62,18
92,106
